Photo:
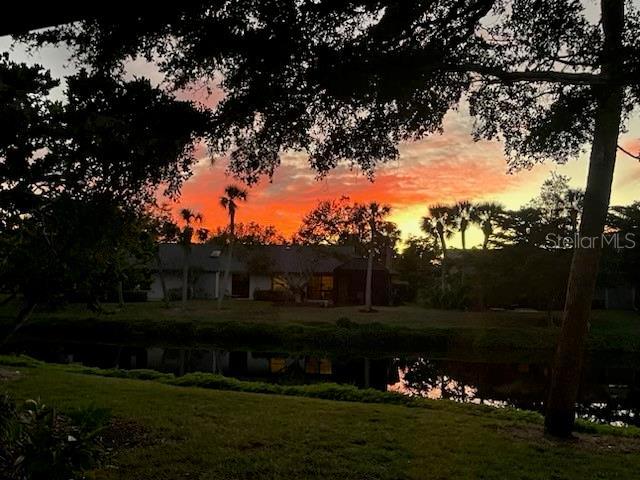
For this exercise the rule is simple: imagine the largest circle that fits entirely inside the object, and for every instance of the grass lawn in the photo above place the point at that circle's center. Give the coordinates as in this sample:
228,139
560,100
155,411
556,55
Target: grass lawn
253,324
200,433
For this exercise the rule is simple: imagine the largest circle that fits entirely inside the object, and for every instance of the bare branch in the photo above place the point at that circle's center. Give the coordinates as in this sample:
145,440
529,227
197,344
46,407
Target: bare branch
637,157
549,76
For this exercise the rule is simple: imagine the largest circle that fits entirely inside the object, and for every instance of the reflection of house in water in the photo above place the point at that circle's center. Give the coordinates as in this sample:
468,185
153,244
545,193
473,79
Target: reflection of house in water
362,372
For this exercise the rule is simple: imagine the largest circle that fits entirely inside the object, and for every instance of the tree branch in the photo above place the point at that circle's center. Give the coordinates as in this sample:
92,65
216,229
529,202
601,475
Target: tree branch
550,76
637,157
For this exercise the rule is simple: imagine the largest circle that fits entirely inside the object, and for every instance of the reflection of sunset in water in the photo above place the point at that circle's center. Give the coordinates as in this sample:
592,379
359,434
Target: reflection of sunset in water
435,392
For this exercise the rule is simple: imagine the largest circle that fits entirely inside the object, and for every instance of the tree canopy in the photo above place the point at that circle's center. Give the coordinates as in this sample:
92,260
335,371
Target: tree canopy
78,175
342,222
347,81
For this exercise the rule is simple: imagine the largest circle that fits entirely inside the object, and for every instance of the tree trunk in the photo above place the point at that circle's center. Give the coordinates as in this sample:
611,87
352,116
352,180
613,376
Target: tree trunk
368,301
8,299
225,276
368,294
185,276
21,319
443,271
163,283
120,294
565,379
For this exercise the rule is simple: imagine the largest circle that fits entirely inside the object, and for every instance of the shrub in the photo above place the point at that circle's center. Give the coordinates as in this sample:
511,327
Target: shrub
455,297
345,322
129,296
36,442
174,294
273,295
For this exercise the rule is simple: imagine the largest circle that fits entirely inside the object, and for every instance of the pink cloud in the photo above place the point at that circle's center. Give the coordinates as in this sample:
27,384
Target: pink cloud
438,169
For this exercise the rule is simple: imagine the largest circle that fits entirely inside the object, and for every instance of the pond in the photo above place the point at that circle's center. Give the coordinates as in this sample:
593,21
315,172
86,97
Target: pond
610,390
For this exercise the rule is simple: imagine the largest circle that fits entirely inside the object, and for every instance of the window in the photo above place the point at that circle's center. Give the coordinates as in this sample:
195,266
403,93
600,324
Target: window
276,364
318,366
321,287
279,283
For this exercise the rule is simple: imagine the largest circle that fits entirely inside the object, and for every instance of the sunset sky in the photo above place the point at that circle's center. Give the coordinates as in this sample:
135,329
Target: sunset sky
441,168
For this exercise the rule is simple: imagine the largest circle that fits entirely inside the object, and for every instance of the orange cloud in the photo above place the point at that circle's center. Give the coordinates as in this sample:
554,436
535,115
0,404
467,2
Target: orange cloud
438,169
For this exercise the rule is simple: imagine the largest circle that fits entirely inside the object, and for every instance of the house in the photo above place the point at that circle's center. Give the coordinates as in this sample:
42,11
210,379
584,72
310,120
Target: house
332,274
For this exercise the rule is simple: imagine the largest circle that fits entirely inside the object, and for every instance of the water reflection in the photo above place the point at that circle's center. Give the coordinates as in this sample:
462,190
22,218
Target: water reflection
609,393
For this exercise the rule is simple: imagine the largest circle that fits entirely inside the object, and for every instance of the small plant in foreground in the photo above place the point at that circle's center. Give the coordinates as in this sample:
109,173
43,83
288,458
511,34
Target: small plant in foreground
38,443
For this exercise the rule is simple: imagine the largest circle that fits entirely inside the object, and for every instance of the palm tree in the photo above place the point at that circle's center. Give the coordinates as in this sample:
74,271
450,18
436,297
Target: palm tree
232,194
438,225
462,213
189,217
375,215
487,216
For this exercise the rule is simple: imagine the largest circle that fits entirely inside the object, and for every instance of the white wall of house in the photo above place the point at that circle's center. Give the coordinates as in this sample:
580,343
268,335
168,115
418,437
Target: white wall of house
259,282
204,287
171,280
206,284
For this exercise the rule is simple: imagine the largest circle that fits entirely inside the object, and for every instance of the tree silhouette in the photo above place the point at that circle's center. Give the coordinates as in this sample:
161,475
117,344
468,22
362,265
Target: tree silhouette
374,214
185,239
78,176
339,222
250,233
439,225
229,201
488,215
559,204
463,213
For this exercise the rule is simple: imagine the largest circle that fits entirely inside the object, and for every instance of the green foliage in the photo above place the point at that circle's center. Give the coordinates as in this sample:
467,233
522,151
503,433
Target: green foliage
138,374
249,233
327,391
279,296
352,80
77,176
38,443
516,276
19,361
275,327
342,222
456,295
344,322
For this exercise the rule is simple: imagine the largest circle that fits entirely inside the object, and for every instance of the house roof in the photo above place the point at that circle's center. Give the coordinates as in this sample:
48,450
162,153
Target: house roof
254,258
292,258
200,257
361,264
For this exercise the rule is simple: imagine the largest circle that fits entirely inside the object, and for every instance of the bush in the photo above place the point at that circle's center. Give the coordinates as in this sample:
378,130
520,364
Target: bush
129,296
345,322
455,297
133,296
36,442
175,294
278,296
